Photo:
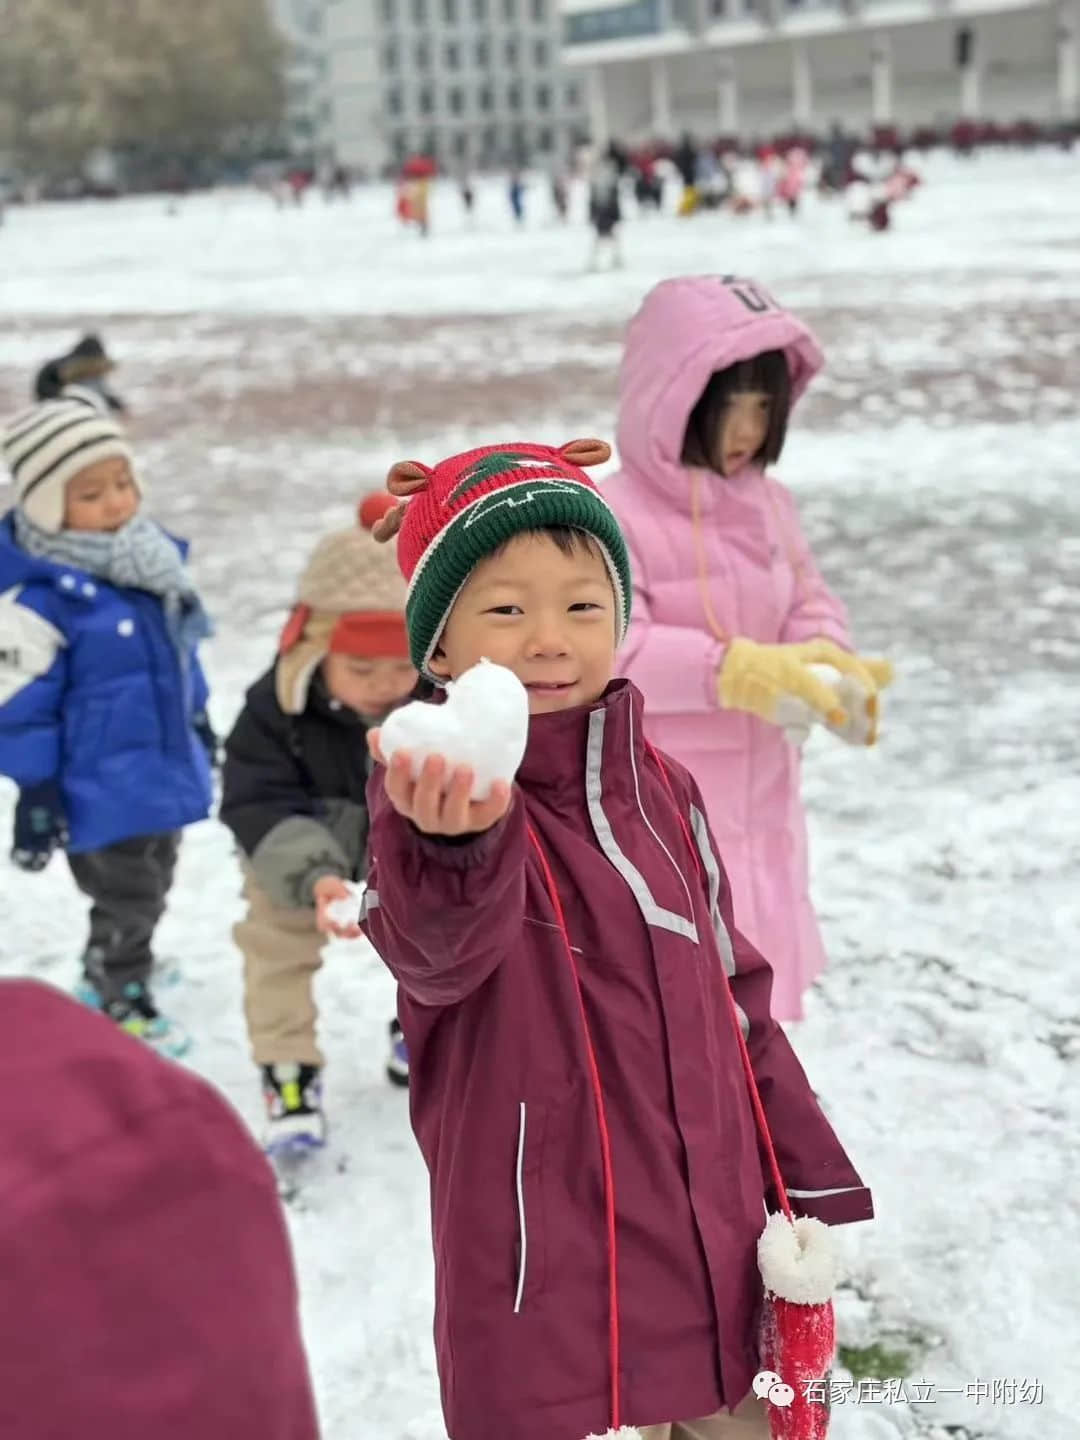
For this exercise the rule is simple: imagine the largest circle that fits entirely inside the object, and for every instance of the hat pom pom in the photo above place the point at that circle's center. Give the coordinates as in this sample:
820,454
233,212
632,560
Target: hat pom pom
797,1260
373,507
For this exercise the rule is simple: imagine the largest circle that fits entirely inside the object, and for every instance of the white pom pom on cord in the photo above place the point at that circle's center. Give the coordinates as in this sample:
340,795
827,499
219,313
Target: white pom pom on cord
796,1260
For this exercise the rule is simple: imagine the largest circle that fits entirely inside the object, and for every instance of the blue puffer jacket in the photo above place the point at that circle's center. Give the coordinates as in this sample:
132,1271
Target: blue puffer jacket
93,695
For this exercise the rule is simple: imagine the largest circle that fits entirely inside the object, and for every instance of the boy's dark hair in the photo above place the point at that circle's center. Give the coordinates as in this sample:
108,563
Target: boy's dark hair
566,537
767,372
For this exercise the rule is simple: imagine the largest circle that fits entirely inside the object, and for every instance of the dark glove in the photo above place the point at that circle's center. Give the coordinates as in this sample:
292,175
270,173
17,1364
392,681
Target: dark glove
40,827
200,723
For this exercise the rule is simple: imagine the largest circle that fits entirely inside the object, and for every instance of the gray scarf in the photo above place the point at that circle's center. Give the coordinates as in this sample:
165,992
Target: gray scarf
139,555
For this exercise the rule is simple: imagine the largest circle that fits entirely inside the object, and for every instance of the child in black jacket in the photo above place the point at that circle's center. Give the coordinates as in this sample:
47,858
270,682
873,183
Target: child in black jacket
296,767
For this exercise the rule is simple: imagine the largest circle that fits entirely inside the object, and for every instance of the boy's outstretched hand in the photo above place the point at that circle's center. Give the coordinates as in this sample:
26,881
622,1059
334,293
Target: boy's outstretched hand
432,804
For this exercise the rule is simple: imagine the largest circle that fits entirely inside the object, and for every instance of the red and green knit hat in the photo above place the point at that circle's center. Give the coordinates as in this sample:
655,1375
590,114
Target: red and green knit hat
469,505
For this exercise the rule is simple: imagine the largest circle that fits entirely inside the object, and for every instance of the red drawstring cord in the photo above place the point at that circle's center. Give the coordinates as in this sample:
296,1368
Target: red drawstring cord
605,1135
748,1069
598,1094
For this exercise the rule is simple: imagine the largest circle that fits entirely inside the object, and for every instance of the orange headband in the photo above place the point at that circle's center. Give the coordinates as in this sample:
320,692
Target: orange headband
371,635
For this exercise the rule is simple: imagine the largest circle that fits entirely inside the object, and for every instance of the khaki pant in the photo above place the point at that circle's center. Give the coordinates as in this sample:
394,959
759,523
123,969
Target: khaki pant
749,1422
282,951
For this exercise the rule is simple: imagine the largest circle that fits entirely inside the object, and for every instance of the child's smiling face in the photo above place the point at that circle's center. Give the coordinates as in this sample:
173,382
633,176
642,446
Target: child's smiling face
102,497
545,609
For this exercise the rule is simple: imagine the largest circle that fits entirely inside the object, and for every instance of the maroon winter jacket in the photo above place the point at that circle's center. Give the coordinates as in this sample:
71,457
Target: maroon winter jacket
146,1284
504,1103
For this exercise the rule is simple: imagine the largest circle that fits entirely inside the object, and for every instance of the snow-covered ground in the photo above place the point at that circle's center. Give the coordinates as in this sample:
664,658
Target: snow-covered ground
277,362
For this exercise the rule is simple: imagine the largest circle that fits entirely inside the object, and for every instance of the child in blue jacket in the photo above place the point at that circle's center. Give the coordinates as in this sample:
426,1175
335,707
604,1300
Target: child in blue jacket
102,700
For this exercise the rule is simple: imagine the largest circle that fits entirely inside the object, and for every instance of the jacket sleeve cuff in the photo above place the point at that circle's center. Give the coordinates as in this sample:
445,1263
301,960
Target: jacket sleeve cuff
467,852
843,1206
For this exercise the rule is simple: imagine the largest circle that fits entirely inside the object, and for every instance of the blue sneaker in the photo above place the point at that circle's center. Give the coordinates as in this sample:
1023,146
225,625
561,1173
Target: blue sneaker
134,1011
397,1066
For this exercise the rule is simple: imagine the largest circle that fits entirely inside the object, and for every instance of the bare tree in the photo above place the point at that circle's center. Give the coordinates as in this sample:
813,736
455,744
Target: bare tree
153,79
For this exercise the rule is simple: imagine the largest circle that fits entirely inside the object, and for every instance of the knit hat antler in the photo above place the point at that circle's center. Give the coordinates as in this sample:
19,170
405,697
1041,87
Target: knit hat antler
469,505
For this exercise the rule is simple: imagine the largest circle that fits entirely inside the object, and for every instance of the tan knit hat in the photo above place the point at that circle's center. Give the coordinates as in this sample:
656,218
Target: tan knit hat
350,601
350,571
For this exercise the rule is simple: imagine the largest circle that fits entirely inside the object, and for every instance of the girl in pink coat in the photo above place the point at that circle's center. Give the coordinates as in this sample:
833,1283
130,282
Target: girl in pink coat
731,614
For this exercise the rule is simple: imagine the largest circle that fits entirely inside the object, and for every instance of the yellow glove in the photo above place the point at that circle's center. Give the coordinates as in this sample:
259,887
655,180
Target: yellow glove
760,678
796,718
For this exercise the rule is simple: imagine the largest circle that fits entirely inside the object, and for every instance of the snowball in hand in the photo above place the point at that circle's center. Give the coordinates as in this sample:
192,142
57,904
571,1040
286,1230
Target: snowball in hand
484,724
346,911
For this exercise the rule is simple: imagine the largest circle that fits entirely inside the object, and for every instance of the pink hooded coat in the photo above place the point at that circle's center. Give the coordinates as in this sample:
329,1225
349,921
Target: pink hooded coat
747,553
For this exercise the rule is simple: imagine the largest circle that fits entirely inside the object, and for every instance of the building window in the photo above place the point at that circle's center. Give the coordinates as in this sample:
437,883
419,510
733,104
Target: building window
540,54
543,97
539,10
491,143
461,145
452,55
513,97
457,101
512,51
545,141
393,101
389,11
390,56
485,97
419,12
510,9
480,9
423,55
450,11
427,102
401,147
573,96
483,54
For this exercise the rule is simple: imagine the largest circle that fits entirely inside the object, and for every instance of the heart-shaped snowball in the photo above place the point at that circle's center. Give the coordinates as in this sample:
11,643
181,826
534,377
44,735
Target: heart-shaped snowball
484,724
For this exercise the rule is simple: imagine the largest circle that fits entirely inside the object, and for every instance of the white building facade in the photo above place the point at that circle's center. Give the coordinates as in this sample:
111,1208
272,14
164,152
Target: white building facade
301,24
471,82
656,68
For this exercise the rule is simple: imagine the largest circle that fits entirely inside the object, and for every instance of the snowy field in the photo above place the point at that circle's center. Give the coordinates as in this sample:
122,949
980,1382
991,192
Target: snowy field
278,362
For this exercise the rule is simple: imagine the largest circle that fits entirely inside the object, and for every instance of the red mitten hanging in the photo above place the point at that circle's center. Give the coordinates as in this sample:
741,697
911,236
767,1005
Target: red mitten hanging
798,1331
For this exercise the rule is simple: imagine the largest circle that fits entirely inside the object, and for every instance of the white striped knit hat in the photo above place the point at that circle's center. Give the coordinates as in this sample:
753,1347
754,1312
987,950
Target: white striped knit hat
49,444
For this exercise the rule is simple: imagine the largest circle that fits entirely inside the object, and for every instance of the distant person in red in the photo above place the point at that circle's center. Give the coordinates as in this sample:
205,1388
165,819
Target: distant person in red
298,181
902,182
413,192
148,1286
793,179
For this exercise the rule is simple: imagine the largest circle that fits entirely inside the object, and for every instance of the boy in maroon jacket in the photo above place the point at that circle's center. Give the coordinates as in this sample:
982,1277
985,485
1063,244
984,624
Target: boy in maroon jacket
561,951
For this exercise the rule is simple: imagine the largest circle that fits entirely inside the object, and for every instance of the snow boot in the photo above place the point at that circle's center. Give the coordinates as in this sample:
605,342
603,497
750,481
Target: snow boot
133,1009
397,1066
295,1120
